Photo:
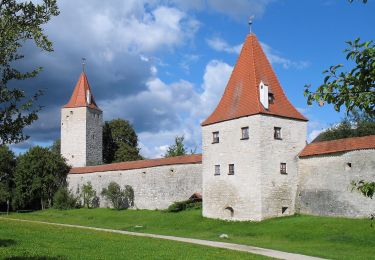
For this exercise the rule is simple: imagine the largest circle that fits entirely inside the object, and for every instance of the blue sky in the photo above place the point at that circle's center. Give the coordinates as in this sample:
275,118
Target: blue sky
163,64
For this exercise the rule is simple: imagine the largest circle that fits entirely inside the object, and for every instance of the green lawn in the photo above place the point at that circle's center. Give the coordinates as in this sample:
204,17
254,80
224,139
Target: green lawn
38,241
335,238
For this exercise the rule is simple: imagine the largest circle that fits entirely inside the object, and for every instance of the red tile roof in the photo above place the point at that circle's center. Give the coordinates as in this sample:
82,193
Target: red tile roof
186,159
241,95
78,98
339,145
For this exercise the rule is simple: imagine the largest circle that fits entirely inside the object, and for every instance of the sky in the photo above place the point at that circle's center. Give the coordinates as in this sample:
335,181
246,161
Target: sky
164,64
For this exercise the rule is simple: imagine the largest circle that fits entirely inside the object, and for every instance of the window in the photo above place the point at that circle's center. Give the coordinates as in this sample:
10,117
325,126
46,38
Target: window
283,168
277,133
245,133
284,210
217,169
215,136
231,169
271,98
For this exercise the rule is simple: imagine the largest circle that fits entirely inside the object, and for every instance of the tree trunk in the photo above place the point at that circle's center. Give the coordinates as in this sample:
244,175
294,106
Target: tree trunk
42,204
7,206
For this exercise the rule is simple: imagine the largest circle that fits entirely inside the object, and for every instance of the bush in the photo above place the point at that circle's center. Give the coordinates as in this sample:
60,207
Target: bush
64,199
184,205
120,199
90,200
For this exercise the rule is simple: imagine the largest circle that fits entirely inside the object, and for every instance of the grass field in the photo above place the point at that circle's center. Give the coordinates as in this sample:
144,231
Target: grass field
38,241
335,238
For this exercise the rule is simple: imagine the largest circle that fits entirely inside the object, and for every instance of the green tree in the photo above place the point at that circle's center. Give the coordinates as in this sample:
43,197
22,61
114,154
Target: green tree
354,89
38,175
353,125
7,164
120,142
20,22
90,200
64,199
176,149
56,146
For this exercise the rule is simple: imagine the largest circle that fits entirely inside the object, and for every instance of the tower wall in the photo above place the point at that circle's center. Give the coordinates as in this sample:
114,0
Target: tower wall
240,191
81,136
94,137
278,191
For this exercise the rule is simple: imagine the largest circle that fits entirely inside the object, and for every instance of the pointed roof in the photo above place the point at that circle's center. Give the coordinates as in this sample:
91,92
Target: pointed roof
78,98
241,95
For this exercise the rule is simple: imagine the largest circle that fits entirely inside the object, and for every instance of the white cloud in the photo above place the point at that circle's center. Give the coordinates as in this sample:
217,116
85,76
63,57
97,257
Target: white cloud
164,111
273,56
236,9
219,44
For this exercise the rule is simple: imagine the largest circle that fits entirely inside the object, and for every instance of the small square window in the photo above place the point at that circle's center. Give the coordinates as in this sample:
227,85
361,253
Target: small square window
277,133
217,169
245,133
284,210
283,168
231,169
215,137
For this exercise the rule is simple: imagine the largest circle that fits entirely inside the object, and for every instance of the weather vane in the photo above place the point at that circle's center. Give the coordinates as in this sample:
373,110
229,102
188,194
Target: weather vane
251,18
83,64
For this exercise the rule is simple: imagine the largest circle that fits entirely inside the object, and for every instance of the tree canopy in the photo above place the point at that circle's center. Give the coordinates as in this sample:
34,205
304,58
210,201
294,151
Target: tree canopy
120,142
7,164
20,22
353,125
176,149
39,174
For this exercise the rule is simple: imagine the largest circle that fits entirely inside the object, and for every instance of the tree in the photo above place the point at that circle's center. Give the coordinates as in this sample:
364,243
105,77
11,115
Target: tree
64,199
7,164
39,174
90,200
20,22
56,146
353,125
176,149
120,142
354,89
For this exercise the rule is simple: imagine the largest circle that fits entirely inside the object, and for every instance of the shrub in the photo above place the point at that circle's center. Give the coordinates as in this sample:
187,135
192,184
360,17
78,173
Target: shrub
120,199
184,205
90,200
64,199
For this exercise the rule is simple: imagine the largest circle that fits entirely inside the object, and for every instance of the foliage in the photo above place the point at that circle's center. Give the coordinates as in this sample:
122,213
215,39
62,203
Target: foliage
183,205
352,89
39,174
20,22
64,199
90,200
366,188
120,199
353,125
120,142
7,164
56,146
176,149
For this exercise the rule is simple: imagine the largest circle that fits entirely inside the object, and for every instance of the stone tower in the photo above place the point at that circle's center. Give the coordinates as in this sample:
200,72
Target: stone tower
81,127
250,144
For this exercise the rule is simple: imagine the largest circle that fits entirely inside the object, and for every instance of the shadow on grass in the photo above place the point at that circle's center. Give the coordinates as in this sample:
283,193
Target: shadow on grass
7,242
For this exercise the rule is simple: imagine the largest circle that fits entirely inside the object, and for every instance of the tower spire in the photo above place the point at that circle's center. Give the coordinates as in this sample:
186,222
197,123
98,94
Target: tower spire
251,19
83,64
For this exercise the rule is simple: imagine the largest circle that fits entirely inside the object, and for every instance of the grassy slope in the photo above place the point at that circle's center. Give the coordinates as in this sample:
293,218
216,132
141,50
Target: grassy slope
336,238
48,242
